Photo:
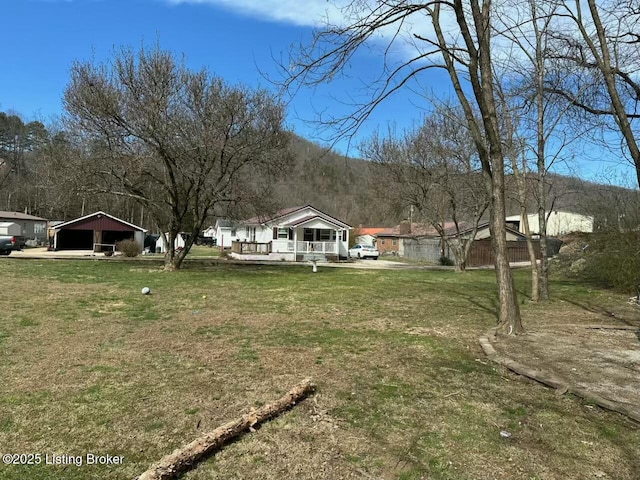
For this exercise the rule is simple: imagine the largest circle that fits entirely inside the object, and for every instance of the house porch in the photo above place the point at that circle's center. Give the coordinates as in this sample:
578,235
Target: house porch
295,244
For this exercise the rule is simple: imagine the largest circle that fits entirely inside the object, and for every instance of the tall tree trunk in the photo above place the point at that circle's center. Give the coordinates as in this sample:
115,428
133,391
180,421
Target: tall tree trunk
544,250
459,254
543,268
488,139
509,318
535,271
170,258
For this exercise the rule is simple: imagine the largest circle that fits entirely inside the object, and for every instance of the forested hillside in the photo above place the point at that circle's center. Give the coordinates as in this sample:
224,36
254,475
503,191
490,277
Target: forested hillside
41,173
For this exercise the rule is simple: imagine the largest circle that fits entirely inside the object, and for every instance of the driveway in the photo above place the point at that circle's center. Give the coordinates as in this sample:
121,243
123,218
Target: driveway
41,252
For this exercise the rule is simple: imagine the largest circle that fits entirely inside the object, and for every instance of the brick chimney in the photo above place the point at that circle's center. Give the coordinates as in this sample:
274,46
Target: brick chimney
405,227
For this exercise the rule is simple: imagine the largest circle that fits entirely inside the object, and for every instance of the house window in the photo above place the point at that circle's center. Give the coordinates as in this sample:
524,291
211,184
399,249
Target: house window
283,233
382,241
38,227
393,242
233,232
327,235
344,235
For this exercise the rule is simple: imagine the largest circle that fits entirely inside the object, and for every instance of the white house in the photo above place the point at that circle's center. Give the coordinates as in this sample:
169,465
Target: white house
294,234
209,232
558,223
177,243
226,232
367,235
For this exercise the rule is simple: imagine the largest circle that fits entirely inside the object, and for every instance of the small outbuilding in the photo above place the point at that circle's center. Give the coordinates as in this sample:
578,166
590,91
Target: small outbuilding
98,232
10,228
32,228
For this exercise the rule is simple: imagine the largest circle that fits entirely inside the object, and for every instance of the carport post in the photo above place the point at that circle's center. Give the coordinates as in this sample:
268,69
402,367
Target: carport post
97,240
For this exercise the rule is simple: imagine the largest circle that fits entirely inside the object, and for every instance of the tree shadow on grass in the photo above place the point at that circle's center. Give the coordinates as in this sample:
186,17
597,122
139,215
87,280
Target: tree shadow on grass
484,302
589,307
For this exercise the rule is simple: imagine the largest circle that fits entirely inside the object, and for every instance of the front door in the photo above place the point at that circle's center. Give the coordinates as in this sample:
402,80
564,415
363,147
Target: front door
308,235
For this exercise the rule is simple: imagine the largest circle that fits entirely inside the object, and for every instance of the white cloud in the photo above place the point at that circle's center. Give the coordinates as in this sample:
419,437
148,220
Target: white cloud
319,13
309,13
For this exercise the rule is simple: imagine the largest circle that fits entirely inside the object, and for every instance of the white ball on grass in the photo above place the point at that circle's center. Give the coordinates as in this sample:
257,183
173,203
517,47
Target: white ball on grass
146,291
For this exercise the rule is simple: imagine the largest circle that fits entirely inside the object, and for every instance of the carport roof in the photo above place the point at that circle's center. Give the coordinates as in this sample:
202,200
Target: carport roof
97,215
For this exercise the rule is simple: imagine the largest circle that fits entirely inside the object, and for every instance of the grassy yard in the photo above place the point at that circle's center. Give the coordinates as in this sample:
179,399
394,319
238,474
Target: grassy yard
89,364
203,251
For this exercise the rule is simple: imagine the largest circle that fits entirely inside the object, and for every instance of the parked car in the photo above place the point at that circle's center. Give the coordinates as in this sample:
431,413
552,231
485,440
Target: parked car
363,251
208,241
9,243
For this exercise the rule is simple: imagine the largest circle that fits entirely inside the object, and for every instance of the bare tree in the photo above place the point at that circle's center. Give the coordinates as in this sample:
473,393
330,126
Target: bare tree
19,147
183,144
526,24
603,56
434,168
452,36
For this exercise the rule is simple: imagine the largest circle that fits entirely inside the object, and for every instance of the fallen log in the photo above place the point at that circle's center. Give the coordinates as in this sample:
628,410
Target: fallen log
186,457
561,385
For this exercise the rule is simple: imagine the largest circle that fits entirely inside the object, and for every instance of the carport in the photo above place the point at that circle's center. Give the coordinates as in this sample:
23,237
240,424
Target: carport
97,232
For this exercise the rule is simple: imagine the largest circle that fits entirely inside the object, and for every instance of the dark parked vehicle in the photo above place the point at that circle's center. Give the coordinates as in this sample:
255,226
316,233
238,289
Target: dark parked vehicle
9,243
208,241
150,242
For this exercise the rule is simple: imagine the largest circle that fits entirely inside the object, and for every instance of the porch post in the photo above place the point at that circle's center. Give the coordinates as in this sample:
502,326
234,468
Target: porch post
338,238
295,244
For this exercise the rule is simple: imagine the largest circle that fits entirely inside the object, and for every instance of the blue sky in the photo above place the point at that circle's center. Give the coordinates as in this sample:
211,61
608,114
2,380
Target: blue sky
238,40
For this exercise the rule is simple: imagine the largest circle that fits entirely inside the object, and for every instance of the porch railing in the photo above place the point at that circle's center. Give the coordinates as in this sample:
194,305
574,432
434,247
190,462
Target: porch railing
317,247
304,247
251,247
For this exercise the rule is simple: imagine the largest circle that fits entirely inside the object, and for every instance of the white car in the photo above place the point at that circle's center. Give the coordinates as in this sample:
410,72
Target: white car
363,251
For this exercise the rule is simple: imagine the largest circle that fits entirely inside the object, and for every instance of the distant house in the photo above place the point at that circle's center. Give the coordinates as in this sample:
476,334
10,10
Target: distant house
558,223
367,235
178,243
391,240
31,227
209,232
98,232
295,234
226,232
423,242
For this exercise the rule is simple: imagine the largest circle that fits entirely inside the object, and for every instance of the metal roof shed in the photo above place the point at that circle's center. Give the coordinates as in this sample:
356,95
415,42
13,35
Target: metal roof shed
98,231
10,228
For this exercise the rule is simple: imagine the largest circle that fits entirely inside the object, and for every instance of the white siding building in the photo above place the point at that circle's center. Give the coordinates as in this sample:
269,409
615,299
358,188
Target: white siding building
294,234
558,223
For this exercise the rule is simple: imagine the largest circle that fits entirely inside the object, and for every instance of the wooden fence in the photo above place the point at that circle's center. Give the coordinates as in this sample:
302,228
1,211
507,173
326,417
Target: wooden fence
481,253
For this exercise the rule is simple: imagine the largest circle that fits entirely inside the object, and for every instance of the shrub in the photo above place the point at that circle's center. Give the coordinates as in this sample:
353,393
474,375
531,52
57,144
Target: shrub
129,248
446,261
613,259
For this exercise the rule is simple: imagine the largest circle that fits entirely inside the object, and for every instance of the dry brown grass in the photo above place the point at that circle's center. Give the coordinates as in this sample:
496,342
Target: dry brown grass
89,364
